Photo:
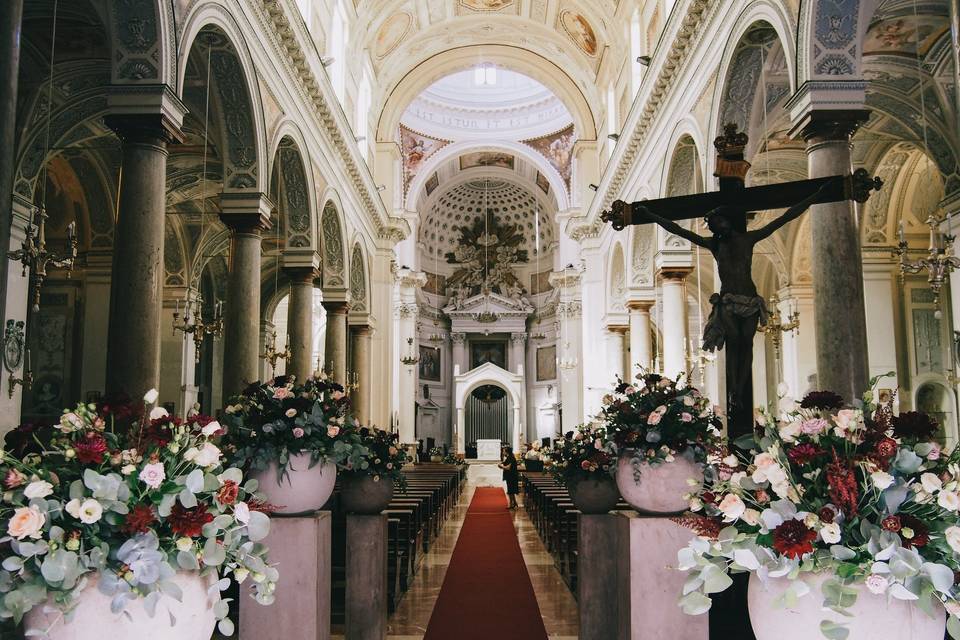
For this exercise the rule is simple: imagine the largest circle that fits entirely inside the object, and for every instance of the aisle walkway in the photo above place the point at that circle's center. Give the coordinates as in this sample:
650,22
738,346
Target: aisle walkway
557,608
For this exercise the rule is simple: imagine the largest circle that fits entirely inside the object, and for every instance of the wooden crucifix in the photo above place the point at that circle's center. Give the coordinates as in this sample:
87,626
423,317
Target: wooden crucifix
737,308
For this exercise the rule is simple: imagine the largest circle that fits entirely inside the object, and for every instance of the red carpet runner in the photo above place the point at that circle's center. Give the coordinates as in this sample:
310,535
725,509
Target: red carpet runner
486,593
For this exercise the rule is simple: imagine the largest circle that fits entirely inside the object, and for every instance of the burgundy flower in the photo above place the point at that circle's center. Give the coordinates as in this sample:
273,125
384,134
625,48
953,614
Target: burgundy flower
886,448
92,449
138,520
822,400
228,493
920,534
827,514
703,526
804,454
914,425
188,522
891,523
843,487
793,539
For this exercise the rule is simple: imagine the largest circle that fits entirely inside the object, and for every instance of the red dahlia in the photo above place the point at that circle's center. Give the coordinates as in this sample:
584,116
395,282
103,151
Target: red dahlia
793,539
827,514
886,448
91,449
804,454
188,522
822,400
228,492
921,534
138,520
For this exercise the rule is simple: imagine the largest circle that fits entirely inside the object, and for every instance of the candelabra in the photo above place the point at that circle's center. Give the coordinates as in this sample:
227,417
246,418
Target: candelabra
195,325
411,358
698,359
34,256
939,261
26,381
568,362
272,355
352,383
777,326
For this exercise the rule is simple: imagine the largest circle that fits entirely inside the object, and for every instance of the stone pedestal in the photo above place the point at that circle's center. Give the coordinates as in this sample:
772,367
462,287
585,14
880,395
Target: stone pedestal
335,351
136,296
366,601
597,566
649,584
641,347
841,325
300,548
300,322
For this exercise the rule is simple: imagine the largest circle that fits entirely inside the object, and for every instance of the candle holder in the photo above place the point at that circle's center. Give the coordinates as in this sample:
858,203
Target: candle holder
698,360
194,324
352,383
939,262
411,358
777,326
12,363
270,353
34,257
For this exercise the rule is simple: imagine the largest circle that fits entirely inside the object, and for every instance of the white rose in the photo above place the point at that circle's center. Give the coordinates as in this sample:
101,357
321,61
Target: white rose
211,428
73,508
151,396
949,500
881,479
241,511
207,456
695,504
736,478
952,534
190,454
877,583
790,431
184,544
158,412
127,469
764,460
90,511
830,533
930,482
732,507
38,489
731,461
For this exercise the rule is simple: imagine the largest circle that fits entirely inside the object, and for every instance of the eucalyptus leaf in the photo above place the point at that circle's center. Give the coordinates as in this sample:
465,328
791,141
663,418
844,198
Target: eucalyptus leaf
833,631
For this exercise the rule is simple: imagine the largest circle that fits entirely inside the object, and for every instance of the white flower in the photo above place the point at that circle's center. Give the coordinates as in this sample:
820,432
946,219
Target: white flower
207,456
695,504
153,475
881,479
736,478
73,508
70,422
151,396
731,461
732,507
949,500
184,544
830,533
241,511
26,522
877,583
751,517
289,413
38,489
240,574
127,469
790,431
90,511
211,428
952,534
930,482
158,412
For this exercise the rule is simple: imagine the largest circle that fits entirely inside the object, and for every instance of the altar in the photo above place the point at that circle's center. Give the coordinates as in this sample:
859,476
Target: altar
488,449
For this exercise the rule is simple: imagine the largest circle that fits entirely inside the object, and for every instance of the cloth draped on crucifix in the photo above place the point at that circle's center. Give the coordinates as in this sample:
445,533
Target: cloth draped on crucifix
738,309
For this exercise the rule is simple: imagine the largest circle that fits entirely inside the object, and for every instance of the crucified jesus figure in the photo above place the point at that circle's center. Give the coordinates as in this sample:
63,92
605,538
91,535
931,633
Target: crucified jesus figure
737,309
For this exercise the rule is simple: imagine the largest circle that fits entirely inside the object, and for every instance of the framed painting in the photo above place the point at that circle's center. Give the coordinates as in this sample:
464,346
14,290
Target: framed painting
430,364
547,363
484,352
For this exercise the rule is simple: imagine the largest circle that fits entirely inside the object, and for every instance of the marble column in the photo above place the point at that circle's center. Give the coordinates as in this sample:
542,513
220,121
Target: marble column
841,324
136,294
300,321
360,357
674,321
517,351
569,346
247,215
641,346
11,14
616,356
335,342
406,313
459,341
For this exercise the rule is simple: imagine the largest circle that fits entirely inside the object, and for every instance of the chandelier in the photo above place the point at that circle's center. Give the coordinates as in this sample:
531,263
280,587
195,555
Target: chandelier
939,261
272,355
411,358
194,324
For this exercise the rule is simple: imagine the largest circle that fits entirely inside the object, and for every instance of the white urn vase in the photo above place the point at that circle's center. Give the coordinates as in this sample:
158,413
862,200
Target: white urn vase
656,488
93,620
302,488
871,617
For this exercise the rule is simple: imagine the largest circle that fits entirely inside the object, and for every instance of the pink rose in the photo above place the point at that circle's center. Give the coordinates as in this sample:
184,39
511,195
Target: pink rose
281,393
14,479
814,426
27,522
332,431
297,432
153,475
654,418
934,452
686,417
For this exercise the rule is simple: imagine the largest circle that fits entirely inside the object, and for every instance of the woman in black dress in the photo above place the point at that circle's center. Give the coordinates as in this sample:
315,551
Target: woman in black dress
510,475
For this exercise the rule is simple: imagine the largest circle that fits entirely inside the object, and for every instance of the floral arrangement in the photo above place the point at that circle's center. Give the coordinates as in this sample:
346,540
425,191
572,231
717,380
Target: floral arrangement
454,458
586,452
861,495
270,422
131,504
374,452
659,419
436,452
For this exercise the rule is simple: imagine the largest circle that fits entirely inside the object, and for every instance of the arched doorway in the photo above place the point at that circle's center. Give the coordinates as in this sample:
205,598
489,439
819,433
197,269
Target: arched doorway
490,403
488,416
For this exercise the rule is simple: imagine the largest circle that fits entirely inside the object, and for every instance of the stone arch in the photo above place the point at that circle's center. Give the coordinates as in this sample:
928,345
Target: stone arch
401,93
830,35
912,183
292,189
144,42
617,280
235,95
359,299
683,176
334,273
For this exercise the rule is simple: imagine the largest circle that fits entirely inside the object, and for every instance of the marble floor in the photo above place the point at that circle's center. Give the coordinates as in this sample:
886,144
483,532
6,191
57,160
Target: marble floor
557,606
